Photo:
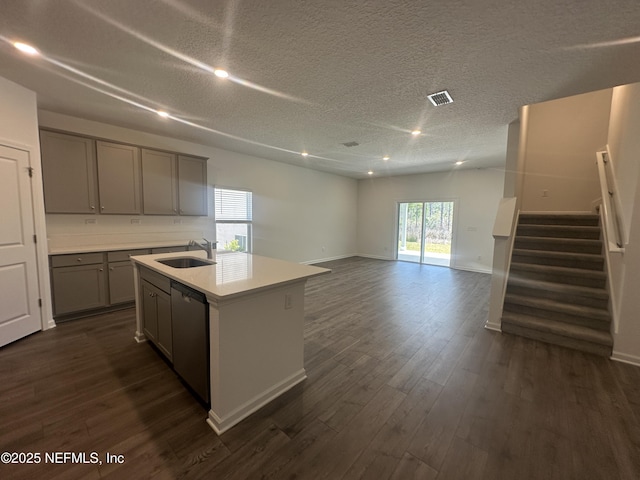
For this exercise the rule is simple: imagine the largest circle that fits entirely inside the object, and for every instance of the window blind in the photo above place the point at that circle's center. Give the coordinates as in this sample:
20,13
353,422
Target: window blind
233,205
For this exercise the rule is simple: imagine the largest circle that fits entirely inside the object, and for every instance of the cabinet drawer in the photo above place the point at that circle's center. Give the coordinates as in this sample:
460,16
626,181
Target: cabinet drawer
156,279
76,259
121,255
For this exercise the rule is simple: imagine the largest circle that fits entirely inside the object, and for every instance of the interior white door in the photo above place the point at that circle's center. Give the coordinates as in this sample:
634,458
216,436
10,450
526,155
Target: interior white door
19,310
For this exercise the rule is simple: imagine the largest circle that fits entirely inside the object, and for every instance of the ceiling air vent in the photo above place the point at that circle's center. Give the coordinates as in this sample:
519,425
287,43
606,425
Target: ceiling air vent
440,98
351,144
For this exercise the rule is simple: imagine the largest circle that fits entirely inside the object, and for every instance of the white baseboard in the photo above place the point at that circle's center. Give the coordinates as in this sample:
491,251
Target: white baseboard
374,257
328,259
476,270
496,327
626,358
140,337
222,424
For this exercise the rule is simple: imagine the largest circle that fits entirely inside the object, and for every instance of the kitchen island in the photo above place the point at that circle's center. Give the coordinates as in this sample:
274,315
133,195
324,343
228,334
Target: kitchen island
255,308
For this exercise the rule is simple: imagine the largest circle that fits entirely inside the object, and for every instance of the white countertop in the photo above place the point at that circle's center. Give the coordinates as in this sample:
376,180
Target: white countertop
114,246
233,274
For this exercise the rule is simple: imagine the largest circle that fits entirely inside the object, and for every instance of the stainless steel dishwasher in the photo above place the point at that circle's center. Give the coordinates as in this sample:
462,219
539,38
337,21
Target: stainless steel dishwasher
190,325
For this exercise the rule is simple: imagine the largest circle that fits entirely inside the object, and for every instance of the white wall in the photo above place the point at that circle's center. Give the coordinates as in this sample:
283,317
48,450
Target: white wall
19,129
477,193
561,140
299,214
624,146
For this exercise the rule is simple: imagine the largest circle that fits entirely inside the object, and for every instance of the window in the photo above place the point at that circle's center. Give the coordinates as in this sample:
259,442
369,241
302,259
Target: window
233,213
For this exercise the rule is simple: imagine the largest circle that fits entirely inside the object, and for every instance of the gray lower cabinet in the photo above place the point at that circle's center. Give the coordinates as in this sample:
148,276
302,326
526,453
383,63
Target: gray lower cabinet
79,283
121,288
156,311
89,282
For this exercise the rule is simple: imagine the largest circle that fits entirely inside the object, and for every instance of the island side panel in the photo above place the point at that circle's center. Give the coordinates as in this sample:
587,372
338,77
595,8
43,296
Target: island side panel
139,336
257,351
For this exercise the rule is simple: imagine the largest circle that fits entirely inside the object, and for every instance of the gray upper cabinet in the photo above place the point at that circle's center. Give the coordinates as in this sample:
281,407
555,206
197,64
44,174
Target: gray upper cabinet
119,178
69,173
192,187
159,183
85,175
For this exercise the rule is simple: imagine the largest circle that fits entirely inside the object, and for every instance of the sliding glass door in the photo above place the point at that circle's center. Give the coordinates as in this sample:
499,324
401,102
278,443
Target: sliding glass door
425,231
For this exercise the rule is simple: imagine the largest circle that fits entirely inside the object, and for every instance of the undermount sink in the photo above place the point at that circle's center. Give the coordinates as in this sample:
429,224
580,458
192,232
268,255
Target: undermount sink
186,262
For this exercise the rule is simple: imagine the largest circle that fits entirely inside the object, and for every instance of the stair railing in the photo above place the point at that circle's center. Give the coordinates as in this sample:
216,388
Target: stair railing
611,222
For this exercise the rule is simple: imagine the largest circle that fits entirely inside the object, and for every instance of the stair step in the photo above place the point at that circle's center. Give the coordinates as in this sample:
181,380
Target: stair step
558,231
559,259
597,318
547,273
559,219
578,295
558,333
575,245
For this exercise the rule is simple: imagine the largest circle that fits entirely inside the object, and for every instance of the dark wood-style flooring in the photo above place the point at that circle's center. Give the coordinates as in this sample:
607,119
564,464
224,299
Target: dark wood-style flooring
403,383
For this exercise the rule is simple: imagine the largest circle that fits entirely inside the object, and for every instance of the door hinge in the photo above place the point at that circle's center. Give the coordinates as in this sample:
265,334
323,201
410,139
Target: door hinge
40,302
35,239
30,170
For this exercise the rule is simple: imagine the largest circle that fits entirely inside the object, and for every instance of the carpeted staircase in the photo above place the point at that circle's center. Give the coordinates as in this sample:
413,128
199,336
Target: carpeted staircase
556,290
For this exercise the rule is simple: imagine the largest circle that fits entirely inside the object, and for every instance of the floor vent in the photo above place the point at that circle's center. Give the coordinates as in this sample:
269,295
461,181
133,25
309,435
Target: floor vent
440,98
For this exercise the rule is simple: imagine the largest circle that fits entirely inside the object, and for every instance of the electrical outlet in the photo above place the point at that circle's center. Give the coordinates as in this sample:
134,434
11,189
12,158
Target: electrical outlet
136,221
545,193
177,221
91,221
287,301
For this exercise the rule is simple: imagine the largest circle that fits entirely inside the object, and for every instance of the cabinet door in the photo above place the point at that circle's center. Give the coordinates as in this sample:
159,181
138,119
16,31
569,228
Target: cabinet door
149,310
159,183
119,178
165,340
121,282
78,288
192,188
68,173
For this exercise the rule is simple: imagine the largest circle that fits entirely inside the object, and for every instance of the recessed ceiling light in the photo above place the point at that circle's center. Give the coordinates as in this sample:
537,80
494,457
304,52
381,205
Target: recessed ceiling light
220,73
24,48
459,162
304,154
163,114
415,133
370,172
386,157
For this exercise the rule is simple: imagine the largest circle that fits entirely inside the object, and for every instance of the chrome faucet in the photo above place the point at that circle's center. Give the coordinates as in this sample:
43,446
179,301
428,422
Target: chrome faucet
207,246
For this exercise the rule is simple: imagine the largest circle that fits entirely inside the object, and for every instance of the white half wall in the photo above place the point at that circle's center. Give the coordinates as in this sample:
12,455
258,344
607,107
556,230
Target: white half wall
476,192
624,146
562,137
300,215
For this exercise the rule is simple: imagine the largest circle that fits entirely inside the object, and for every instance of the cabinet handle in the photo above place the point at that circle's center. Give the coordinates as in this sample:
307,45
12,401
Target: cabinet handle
111,269
101,270
79,259
102,207
93,207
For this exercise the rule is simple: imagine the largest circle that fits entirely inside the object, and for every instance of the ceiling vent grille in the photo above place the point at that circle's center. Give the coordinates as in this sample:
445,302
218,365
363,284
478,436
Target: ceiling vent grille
351,144
440,98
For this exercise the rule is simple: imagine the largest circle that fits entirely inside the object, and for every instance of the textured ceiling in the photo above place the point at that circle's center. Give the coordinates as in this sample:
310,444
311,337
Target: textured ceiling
310,75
